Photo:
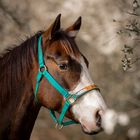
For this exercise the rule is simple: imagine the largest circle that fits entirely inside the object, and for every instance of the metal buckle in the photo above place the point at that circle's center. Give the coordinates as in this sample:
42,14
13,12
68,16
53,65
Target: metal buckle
43,68
59,126
70,99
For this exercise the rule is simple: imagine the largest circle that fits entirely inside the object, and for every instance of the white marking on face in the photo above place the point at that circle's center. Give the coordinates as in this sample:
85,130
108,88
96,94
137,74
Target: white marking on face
88,105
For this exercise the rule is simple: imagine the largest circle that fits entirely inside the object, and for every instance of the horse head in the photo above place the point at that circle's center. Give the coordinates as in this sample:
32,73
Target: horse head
69,67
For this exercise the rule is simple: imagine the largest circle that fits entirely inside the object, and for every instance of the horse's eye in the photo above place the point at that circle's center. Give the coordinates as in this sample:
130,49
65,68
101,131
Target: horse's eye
63,66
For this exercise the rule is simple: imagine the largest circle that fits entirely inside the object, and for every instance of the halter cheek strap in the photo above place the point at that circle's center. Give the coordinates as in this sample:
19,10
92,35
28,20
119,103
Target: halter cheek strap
69,98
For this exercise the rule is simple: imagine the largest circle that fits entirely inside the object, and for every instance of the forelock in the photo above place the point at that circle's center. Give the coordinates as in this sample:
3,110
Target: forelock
67,43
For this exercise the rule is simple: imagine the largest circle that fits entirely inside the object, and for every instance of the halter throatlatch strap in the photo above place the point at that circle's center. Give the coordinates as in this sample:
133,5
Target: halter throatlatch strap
69,98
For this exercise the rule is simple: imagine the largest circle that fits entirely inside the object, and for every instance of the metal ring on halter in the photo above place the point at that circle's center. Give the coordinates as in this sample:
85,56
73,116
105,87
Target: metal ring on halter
43,68
70,99
59,126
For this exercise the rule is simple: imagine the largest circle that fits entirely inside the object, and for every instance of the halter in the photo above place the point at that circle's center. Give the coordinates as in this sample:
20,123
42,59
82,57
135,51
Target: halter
69,98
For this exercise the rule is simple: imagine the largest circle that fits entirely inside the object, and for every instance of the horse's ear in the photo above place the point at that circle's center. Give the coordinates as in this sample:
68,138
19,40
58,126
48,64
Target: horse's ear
73,29
49,33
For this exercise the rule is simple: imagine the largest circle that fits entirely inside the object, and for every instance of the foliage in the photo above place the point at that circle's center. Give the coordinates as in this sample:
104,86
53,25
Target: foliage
132,30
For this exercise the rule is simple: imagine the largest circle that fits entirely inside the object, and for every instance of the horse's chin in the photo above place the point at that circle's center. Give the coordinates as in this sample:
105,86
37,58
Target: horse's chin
92,132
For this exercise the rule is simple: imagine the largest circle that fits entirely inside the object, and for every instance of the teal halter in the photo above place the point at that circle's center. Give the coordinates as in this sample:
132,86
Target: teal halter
69,98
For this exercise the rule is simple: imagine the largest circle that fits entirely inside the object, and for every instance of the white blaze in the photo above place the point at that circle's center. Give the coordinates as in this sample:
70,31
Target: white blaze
86,107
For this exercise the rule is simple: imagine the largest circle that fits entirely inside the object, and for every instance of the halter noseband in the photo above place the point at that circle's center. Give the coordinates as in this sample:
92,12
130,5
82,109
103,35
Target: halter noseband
69,98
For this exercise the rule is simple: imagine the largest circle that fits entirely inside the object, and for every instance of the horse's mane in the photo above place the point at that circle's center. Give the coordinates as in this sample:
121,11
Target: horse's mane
15,66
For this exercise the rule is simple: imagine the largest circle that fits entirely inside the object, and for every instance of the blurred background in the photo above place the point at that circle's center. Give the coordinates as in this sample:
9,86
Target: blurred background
109,38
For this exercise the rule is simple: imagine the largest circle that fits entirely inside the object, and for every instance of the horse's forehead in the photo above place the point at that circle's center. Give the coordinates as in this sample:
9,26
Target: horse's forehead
64,49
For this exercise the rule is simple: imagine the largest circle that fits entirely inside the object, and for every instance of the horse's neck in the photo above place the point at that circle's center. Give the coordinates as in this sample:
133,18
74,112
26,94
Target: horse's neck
22,118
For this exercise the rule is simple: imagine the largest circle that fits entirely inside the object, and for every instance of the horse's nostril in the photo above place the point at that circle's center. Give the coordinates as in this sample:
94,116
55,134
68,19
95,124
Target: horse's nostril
98,118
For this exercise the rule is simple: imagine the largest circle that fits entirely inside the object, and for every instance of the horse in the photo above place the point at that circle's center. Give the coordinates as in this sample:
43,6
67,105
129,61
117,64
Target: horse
48,70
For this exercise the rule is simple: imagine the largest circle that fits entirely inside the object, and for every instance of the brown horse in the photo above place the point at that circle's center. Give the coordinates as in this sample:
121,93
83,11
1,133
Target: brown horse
69,67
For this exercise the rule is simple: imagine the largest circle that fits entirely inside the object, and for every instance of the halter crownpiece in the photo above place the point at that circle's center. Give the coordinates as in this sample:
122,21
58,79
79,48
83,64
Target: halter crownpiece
69,98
